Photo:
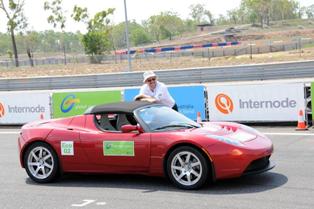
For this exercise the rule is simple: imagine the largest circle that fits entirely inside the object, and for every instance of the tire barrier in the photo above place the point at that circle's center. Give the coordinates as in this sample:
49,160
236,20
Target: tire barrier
178,48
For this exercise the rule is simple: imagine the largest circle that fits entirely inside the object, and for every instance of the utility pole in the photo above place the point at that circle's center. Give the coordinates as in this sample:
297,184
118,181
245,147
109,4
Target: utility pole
251,50
127,37
300,46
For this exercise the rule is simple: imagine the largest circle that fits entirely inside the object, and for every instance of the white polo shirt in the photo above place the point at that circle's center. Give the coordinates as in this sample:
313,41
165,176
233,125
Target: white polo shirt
160,93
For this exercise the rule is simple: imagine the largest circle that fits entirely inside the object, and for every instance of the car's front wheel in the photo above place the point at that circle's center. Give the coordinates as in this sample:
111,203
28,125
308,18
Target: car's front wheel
41,163
187,168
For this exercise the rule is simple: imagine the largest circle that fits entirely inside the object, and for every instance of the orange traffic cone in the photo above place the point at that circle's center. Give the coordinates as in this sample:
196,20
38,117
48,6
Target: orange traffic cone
198,118
301,123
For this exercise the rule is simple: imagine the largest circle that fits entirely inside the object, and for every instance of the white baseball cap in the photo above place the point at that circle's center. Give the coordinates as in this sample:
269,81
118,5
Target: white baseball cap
147,75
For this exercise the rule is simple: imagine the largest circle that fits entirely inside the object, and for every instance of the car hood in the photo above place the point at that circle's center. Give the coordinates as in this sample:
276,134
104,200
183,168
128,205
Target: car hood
48,123
226,131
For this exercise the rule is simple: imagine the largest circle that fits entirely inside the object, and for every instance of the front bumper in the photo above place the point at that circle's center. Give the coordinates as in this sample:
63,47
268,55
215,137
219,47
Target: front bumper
259,166
234,161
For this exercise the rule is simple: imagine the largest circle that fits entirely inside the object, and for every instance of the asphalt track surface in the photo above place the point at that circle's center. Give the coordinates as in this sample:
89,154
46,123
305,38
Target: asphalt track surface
289,185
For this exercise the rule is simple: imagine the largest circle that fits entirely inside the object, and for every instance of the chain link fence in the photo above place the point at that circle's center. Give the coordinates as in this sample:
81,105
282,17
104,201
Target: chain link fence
243,49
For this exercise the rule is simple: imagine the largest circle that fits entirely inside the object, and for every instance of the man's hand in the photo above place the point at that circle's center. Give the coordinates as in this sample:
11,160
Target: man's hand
149,99
143,97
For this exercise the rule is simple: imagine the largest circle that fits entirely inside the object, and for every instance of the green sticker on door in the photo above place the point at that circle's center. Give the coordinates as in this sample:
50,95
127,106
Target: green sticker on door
118,148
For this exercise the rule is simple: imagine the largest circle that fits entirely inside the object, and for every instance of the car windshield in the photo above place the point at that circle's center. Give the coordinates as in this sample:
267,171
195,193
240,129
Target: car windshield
164,118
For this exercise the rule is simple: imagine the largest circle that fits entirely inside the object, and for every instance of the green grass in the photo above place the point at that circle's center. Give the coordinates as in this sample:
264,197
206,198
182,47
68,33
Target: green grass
305,23
310,45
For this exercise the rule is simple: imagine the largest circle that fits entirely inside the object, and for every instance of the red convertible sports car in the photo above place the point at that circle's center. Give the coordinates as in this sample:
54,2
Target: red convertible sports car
143,138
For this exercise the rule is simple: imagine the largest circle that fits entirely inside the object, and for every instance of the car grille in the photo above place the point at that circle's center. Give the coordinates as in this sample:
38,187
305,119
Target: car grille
258,164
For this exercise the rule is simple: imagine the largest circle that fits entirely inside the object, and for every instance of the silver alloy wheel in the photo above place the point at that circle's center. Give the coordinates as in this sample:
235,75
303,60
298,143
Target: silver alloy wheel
186,168
40,162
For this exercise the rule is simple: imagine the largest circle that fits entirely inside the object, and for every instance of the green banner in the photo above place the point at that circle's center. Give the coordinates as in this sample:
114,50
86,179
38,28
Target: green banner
312,99
118,148
67,104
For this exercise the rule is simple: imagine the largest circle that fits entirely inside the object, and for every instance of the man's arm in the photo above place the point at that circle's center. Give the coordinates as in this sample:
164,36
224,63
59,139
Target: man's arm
166,95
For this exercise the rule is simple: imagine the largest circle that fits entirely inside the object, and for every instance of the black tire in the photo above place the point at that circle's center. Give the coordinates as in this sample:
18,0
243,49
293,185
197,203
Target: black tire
196,162
44,167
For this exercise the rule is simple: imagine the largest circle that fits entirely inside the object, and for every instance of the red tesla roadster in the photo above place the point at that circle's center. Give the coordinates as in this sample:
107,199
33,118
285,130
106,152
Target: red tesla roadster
143,138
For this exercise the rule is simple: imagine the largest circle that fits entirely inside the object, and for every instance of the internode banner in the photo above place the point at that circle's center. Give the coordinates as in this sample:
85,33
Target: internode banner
67,104
262,102
20,108
190,99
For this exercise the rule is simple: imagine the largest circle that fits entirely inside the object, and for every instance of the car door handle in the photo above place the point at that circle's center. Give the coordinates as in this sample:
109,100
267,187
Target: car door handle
70,129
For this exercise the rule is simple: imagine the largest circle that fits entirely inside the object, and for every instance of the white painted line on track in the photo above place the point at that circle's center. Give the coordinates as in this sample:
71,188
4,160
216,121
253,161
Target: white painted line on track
9,132
290,134
101,203
85,202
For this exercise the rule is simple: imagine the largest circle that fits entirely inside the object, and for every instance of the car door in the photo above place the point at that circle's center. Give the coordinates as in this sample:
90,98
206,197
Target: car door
114,151
66,142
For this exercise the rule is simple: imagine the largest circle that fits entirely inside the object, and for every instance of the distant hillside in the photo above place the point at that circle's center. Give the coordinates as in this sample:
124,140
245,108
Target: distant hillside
278,31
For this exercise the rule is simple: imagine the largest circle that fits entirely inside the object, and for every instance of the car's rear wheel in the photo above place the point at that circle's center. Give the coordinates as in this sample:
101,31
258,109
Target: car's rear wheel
187,168
41,163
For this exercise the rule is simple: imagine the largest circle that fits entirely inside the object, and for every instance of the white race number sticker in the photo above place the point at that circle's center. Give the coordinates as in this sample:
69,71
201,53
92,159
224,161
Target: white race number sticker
67,148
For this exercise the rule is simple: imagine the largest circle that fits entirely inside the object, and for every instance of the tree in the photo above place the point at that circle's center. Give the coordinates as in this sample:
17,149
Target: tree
5,41
189,25
299,10
153,26
222,20
258,9
233,16
279,10
200,15
171,25
97,40
165,25
310,11
30,40
16,20
208,17
57,18
138,35
45,42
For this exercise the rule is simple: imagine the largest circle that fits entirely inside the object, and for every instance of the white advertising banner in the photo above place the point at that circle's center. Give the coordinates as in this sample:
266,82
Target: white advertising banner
23,107
263,102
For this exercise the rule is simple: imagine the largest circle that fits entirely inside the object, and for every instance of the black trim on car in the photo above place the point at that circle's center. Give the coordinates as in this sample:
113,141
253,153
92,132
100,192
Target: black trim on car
259,166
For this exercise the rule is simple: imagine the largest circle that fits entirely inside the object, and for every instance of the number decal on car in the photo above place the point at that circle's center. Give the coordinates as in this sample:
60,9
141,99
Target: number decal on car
67,148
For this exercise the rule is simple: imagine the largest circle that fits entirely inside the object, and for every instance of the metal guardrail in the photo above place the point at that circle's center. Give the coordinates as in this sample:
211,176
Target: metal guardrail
194,75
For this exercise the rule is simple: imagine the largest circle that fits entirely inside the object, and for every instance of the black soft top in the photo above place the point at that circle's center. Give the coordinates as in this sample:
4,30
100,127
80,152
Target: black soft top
119,107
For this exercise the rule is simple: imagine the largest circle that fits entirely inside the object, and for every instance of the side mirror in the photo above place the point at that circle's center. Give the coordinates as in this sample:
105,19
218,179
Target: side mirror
129,128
